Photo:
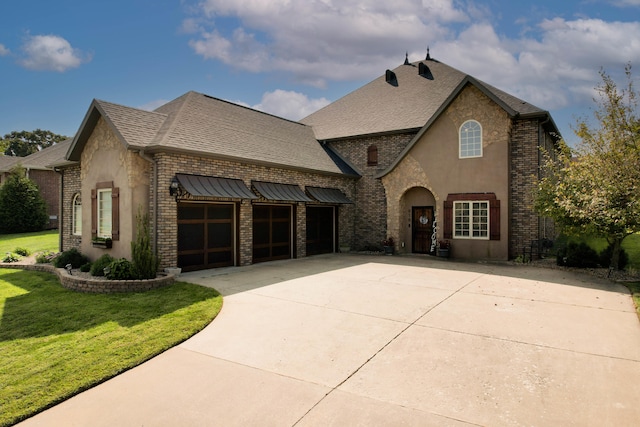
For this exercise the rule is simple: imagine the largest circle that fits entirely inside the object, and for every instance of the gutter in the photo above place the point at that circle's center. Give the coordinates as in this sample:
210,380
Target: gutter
151,160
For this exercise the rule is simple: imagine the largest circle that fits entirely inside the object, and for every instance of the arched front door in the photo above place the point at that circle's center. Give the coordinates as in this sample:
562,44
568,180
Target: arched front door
422,226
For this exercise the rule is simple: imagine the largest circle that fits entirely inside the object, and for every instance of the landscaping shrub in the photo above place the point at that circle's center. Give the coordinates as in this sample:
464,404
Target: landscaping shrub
97,268
11,257
578,255
22,251
120,269
46,257
144,260
607,254
85,268
72,256
22,207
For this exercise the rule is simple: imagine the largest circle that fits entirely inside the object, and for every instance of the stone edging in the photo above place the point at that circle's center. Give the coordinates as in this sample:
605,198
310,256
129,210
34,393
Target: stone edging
93,285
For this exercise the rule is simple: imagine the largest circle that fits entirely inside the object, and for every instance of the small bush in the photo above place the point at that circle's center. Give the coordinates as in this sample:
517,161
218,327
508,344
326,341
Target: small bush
46,257
144,260
97,269
578,255
607,254
72,256
11,257
85,268
120,269
22,251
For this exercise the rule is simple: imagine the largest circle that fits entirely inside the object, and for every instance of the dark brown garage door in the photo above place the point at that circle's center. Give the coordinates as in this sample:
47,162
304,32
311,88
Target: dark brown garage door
271,232
205,236
320,230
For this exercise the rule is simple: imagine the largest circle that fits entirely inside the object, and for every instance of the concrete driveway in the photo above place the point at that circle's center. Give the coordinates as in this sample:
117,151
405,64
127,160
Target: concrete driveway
350,340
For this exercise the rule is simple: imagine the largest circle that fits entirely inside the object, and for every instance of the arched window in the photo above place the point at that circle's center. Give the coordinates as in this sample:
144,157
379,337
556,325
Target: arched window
76,227
470,139
372,155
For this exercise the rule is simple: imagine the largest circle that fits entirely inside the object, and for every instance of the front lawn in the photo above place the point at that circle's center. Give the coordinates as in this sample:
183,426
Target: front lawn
631,245
56,343
39,241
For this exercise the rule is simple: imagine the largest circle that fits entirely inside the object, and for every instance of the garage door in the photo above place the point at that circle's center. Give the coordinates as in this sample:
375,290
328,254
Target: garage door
320,230
272,232
206,236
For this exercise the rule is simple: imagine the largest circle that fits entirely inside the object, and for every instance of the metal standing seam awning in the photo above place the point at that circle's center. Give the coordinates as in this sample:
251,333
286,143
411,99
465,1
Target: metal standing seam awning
281,192
328,195
209,186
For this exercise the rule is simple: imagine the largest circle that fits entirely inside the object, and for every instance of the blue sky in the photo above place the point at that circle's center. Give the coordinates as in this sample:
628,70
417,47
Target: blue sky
291,57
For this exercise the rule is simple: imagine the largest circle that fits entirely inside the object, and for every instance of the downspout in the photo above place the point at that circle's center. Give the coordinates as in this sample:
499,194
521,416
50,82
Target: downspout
60,209
153,161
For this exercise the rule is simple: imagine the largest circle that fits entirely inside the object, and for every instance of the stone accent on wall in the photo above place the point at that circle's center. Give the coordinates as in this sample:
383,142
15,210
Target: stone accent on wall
370,220
407,175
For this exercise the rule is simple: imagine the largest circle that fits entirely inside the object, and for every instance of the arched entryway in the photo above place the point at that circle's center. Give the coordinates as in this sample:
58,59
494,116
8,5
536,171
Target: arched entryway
419,207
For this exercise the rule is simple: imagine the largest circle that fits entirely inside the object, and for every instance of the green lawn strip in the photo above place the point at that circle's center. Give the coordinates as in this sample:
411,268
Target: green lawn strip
634,287
36,242
56,343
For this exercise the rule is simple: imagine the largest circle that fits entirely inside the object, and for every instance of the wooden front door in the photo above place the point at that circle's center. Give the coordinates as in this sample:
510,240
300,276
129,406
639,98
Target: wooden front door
422,226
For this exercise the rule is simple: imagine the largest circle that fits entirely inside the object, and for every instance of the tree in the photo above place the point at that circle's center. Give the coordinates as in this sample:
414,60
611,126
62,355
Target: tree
23,143
595,189
22,208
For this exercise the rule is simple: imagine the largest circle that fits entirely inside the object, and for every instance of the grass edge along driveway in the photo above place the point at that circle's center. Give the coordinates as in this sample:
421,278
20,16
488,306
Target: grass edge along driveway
56,343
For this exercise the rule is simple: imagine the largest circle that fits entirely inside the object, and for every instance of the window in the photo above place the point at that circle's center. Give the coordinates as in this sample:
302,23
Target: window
76,214
470,139
104,213
372,155
471,216
105,218
471,220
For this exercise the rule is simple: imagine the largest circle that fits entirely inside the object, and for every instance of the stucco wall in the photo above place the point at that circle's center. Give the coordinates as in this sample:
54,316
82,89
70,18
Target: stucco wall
433,163
104,158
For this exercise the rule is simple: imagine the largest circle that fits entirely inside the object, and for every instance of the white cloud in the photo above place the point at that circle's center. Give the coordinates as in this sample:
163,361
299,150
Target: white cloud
626,3
152,105
3,50
289,104
51,53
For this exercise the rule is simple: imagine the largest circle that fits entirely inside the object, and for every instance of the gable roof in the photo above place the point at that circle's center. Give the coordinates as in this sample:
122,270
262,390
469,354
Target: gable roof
405,103
203,125
44,159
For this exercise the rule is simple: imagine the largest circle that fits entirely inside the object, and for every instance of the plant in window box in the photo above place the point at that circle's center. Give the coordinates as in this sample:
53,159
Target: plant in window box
102,242
388,245
444,248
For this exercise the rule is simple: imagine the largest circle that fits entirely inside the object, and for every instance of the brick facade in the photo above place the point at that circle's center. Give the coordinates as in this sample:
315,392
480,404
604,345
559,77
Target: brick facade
71,185
48,182
370,221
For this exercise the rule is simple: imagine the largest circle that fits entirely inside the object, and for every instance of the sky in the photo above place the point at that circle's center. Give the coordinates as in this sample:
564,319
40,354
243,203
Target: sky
292,57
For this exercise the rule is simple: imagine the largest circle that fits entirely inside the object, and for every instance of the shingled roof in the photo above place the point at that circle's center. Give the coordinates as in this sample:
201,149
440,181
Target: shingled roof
404,100
44,159
203,125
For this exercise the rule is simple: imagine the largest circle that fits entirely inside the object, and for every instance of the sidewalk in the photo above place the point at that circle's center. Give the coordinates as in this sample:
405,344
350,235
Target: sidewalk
375,340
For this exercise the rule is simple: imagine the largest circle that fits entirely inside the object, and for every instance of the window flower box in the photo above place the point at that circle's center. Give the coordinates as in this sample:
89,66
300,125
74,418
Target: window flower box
102,242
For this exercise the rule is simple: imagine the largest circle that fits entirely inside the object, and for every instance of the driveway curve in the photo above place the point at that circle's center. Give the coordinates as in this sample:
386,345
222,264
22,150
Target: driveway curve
385,341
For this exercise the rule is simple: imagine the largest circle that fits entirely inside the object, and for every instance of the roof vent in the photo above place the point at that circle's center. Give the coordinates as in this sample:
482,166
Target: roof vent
424,71
390,77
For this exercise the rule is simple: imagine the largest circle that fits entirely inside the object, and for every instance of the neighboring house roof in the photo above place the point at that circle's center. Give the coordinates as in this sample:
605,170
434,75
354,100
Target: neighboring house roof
44,159
404,103
202,125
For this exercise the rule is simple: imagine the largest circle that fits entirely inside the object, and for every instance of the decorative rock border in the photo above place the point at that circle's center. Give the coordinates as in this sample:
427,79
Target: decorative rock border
96,285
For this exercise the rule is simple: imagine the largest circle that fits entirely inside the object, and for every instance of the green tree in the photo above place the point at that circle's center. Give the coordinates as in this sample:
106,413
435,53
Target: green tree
595,189
23,143
22,208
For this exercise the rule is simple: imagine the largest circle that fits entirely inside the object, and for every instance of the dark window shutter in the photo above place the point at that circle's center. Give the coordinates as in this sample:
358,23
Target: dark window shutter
94,213
372,155
494,219
447,220
115,213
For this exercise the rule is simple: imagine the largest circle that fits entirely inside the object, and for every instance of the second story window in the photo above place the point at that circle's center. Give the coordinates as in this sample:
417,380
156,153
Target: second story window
372,155
470,139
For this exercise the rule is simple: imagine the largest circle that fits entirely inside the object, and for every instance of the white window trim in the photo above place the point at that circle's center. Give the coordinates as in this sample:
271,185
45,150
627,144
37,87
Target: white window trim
100,231
471,236
460,156
76,215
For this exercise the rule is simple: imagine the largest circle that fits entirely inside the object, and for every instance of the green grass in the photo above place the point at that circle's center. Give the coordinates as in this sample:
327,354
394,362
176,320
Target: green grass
634,287
39,241
56,343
